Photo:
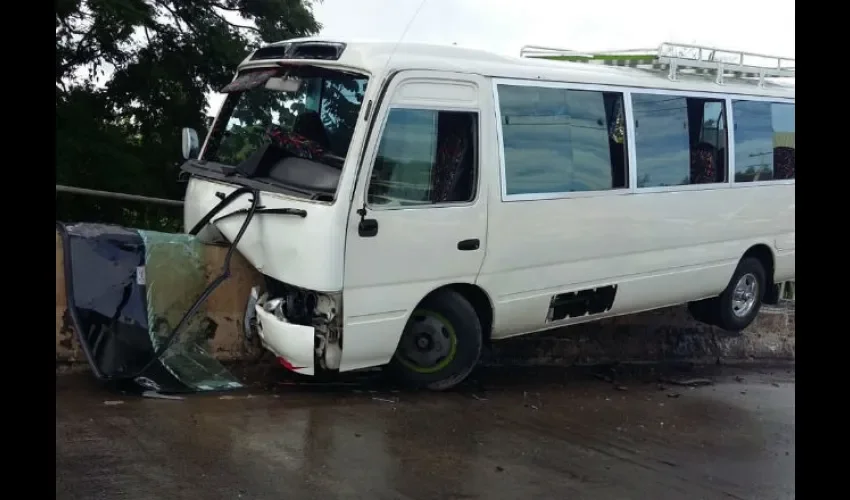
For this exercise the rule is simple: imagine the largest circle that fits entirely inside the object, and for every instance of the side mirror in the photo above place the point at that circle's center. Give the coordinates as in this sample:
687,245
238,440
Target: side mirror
191,145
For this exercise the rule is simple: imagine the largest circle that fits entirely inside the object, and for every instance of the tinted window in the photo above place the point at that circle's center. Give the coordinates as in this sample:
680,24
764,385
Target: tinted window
679,140
560,140
340,104
753,141
783,118
425,157
764,141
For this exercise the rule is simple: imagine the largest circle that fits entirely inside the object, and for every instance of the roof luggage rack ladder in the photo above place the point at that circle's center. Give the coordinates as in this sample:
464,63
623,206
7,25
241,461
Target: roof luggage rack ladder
676,58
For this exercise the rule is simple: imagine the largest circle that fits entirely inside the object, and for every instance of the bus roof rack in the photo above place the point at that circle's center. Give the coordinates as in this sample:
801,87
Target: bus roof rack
676,58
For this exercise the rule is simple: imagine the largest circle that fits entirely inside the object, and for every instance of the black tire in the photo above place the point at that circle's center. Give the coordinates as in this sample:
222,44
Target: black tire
461,328
724,314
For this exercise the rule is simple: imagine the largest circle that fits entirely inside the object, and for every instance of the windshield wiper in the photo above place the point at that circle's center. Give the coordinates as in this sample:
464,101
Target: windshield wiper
298,212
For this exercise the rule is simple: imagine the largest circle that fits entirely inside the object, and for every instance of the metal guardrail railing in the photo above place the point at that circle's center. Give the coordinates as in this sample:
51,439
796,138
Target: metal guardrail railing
118,196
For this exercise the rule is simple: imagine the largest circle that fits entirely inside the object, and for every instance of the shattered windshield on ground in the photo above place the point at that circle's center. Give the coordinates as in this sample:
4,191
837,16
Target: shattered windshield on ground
309,112
175,277
127,291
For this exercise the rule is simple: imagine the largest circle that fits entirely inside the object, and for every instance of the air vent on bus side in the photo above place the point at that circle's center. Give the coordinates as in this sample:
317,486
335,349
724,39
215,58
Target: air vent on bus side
581,303
271,52
301,50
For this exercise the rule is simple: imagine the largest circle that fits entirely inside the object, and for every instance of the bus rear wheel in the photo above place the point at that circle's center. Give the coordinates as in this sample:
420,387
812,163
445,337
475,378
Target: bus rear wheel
440,345
739,304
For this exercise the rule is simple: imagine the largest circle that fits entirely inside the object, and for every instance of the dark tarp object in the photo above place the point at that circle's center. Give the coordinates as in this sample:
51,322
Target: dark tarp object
126,291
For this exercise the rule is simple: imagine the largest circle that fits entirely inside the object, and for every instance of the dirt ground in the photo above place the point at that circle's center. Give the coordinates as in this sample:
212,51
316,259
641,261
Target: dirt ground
579,434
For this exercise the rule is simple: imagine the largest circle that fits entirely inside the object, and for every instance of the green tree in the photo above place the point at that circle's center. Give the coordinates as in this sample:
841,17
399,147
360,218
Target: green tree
131,73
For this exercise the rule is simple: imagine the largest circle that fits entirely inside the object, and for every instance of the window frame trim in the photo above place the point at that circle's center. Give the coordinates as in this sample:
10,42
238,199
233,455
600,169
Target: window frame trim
436,108
631,153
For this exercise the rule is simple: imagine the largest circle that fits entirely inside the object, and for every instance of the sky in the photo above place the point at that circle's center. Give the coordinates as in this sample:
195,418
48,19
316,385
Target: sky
504,26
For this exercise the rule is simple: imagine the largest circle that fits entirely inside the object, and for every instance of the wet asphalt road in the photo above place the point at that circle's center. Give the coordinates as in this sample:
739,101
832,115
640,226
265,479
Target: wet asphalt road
508,437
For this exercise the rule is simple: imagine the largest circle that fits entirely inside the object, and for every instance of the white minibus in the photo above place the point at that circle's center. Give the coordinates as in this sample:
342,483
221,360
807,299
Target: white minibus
408,204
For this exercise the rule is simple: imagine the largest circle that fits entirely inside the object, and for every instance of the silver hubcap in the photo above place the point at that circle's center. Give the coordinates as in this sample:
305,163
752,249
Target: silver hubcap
744,296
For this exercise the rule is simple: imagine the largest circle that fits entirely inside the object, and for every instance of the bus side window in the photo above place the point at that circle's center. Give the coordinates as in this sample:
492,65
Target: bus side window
765,147
425,157
681,140
784,144
559,140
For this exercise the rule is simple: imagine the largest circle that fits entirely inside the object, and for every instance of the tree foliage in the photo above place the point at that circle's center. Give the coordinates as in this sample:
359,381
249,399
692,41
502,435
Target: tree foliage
131,73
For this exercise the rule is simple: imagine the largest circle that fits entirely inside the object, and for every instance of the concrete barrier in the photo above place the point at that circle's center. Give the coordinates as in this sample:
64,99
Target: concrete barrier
663,335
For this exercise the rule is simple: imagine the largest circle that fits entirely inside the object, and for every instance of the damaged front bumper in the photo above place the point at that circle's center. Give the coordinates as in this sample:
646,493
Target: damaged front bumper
301,348
293,345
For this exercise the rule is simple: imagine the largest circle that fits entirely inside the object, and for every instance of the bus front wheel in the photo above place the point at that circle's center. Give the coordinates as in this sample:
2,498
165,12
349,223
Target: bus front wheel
441,343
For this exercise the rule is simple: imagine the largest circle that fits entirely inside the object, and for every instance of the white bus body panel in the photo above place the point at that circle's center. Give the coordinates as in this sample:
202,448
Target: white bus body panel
415,250
305,252
660,249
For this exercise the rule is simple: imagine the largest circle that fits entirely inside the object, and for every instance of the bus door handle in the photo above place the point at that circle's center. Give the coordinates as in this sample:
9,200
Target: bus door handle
466,245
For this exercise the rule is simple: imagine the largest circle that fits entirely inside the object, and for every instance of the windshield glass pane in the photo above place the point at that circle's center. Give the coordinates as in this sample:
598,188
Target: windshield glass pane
314,121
